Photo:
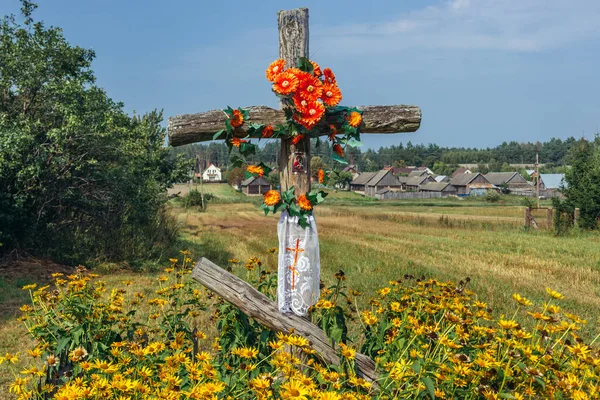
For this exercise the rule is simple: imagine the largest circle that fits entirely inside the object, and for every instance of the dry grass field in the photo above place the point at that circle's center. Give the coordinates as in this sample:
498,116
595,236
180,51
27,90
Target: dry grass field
374,242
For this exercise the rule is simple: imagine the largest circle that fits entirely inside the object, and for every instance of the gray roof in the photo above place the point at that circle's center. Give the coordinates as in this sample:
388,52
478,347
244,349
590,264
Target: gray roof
417,173
402,179
434,186
553,181
498,178
382,191
349,167
441,178
363,178
255,180
463,179
416,180
378,176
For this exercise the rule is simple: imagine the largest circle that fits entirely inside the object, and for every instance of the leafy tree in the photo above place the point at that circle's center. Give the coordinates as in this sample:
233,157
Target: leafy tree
236,176
76,172
583,182
316,163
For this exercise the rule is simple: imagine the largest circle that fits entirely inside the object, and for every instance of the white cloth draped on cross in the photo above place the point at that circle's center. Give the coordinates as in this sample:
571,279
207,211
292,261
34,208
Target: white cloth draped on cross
299,266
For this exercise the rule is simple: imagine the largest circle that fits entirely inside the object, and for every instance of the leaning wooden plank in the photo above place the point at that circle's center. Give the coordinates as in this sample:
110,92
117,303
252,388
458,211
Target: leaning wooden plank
191,128
258,306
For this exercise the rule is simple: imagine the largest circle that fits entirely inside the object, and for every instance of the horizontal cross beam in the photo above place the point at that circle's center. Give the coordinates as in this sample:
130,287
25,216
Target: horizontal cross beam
191,128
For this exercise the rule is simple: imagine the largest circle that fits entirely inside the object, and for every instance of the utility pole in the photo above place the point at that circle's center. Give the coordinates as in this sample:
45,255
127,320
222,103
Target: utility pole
537,179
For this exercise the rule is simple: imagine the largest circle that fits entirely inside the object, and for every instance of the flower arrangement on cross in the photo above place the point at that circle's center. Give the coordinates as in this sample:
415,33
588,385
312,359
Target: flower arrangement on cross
310,98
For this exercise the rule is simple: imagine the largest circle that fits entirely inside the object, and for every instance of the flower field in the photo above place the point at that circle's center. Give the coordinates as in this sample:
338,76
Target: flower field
429,338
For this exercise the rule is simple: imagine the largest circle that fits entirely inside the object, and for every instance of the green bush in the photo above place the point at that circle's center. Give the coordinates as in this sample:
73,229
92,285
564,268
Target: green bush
492,196
76,172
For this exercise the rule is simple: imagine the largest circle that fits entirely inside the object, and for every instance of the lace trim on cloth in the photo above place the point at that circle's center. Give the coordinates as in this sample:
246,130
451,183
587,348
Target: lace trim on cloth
299,265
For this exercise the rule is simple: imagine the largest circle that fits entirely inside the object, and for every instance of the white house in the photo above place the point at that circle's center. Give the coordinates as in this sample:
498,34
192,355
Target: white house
211,174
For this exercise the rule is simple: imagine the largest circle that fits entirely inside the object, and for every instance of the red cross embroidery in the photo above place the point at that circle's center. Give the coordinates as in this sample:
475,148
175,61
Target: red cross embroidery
292,268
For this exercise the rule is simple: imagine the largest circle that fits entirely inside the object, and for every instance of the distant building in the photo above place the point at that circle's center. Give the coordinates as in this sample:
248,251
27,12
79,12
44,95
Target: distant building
461,170
513,180
414,182
443,187
442,178
469,184
552,181
211,174
358,183
417,172
352,169
382,179
255,186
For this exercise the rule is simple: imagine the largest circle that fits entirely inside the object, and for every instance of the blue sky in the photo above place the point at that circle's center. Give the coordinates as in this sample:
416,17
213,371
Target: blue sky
483,71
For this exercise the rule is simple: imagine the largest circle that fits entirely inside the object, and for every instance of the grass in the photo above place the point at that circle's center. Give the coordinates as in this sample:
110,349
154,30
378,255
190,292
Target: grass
374,242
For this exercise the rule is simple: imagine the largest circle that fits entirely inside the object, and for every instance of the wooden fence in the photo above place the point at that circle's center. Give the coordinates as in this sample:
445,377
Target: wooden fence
408,195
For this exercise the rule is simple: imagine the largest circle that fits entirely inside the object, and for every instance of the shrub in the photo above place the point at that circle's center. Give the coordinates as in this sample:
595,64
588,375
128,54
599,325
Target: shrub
428,339
528,202
492,196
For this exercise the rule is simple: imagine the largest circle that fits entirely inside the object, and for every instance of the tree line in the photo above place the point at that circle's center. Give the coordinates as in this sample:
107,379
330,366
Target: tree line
80,179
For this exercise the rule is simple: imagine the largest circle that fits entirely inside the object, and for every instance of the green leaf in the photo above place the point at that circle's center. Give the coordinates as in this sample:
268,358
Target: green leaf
506,396
339,159
236,161
354,143
305,65
294,210
247,149
428,382
303,222
265,168
219,133
248,175
62,344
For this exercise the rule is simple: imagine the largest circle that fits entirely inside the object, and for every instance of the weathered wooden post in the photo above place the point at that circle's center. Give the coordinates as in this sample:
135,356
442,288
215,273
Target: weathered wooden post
293,44
576,217
549,216
526,219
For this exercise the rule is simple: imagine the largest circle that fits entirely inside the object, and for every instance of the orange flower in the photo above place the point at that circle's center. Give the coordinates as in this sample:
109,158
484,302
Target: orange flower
285,83
272,198
275,68
332,95
338,150
332,132
329,76
300,103
237,141
296,139
304,203
267,131
316,69
354,119
256,170
312,115
237,119
309,87
321,176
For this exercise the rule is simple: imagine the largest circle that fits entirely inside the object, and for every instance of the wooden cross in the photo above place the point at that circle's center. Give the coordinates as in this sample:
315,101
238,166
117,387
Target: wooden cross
292,268
293,44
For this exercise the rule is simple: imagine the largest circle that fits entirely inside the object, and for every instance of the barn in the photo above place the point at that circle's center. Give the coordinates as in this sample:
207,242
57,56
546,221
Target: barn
415,182
445,188
382,179
468,184
358,184
512,180
255,186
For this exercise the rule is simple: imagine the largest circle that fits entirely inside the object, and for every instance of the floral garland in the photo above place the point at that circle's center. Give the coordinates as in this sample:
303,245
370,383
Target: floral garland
310,99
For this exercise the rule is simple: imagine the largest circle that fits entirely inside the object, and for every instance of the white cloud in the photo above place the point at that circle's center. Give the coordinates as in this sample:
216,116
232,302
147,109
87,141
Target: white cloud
514,25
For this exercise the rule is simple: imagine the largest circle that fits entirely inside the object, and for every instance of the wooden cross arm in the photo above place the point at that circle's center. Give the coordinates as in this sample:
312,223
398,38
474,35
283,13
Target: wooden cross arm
191,128
258,306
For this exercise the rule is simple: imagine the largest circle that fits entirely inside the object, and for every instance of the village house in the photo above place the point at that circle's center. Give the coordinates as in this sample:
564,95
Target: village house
382,179
469,184
445,188
550,184
358,184
513,180
255,186
461,170
415,182
442,178
211,174
419,172
352,169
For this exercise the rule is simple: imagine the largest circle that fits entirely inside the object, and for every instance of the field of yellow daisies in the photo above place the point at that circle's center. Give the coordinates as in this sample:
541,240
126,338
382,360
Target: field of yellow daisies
429,340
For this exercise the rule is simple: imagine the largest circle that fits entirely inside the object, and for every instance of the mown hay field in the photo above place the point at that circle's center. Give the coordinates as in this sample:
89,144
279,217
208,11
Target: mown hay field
374,242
